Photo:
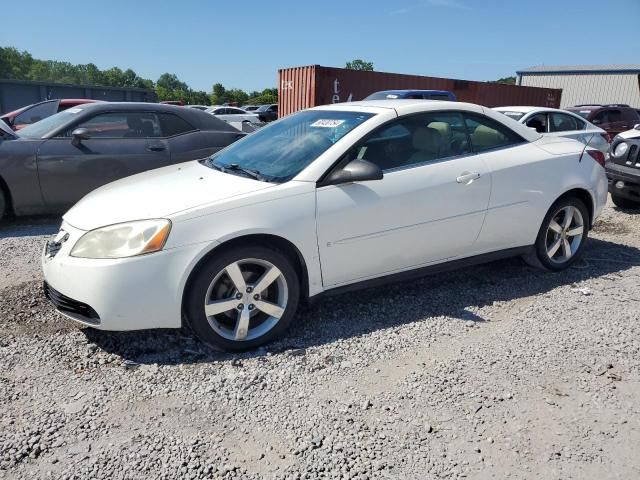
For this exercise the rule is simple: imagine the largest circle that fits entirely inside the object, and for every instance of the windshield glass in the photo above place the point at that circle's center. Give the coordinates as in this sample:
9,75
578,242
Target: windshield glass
382,96
46,125
263,108
283,149
583,113
514,115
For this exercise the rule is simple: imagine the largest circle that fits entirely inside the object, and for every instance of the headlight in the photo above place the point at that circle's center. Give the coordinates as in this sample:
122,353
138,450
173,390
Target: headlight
123,240
620,149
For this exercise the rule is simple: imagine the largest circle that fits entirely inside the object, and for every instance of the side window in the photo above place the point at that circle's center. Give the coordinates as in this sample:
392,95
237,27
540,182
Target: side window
538,122
122,125
629,114
561,122
273,108
415,140
36,113
487,134
173,125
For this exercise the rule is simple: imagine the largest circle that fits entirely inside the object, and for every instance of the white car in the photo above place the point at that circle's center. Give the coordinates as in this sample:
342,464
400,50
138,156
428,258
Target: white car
233,114
559,123
321,201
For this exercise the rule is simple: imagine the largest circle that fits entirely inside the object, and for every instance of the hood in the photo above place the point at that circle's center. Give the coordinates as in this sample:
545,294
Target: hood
630,134
158,193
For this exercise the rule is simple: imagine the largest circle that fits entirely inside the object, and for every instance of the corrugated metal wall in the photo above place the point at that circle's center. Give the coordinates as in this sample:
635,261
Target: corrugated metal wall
17,93
589,88
304,87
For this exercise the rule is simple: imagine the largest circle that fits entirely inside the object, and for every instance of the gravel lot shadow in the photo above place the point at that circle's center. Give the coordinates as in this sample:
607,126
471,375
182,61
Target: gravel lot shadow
354,314
29,226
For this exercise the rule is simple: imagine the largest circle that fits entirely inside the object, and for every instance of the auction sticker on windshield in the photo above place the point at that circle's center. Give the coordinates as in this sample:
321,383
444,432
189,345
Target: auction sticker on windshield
74,110
327,123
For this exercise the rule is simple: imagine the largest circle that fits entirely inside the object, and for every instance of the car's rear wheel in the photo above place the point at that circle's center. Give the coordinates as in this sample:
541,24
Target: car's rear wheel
242,298
562,236
622,202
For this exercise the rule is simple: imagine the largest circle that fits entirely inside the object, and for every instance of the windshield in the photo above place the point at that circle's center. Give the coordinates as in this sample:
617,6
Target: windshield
283,149
514,115
583,113
383,96
263,108
46,125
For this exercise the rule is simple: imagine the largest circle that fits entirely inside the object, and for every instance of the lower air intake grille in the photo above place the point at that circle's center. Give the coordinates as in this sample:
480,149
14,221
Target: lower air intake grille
72,307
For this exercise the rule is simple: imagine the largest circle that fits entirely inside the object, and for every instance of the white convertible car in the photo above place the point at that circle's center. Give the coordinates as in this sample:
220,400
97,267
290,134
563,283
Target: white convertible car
322,201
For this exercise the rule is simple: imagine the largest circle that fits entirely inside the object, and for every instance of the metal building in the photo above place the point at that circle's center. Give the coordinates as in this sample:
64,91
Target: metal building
18,93
587,84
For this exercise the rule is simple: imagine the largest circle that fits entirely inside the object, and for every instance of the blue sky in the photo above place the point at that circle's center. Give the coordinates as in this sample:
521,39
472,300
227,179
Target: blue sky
243,43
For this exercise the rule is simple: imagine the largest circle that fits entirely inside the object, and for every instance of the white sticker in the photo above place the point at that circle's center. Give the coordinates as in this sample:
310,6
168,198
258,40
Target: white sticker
74,110
585,111
392,95
327,123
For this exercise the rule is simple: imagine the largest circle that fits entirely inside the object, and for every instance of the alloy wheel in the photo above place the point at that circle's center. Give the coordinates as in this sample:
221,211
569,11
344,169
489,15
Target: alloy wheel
246,299
565,234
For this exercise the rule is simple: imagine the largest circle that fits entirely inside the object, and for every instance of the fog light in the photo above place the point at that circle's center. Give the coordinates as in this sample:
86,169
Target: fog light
619,184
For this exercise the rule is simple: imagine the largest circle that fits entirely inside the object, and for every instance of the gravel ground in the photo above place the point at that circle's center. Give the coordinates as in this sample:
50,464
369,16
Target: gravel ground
497,371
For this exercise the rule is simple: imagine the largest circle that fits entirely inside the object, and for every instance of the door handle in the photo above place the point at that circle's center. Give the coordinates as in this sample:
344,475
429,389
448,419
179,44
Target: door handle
467,177
156,147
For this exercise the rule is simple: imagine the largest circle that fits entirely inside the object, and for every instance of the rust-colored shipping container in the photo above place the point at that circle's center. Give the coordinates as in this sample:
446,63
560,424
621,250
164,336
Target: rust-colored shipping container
305,87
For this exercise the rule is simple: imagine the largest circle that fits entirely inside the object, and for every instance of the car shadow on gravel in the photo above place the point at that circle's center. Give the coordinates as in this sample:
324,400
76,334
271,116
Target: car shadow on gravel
29,226
352,315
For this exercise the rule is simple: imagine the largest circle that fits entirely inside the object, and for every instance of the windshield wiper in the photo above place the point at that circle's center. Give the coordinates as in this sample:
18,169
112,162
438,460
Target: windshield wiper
234,167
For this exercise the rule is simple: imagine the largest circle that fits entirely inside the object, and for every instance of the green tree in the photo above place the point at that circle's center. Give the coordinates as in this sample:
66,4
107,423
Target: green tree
507,80
359,64
15,64
171,82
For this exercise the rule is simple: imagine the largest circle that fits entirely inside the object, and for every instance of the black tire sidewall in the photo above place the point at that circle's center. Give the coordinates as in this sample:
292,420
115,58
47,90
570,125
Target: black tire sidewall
197,286
3,205
541,247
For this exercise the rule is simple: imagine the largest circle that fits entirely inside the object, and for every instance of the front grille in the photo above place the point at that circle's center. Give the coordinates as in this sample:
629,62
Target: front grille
74,308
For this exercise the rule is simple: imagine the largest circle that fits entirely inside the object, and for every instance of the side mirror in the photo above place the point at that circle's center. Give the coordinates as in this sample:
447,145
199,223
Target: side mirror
595,121
636,126
358,170
78,135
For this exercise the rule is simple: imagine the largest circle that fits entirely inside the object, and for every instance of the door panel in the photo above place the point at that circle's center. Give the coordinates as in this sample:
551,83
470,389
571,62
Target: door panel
69,172
411,217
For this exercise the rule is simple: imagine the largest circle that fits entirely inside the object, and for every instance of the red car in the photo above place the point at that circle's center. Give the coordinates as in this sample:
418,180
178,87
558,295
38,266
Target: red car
613,118
32,113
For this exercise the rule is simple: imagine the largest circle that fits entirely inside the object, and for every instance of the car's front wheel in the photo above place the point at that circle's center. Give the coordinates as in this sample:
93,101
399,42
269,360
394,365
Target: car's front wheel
562,236
242,298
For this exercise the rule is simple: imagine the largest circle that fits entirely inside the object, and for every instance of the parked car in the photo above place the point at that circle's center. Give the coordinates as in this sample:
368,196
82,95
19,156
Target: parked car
268,113
232,114
413,94
614,118
198,107
249,108
559,123
325,200
34,113
48,166
623,169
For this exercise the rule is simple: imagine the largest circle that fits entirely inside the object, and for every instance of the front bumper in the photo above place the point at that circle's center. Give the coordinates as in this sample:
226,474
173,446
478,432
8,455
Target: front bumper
630,178
124,294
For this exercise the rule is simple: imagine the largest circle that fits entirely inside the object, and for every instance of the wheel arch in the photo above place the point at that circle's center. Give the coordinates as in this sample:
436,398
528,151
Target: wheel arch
585,196
4,189
262,239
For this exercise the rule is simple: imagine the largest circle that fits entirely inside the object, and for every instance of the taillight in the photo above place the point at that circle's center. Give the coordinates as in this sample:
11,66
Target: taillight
607,136
597,155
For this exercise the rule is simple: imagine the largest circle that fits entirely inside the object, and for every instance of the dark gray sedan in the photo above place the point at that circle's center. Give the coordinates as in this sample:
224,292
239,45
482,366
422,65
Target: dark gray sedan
48,166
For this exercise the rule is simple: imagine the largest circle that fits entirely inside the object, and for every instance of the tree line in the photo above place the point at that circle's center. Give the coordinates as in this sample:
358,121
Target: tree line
20,65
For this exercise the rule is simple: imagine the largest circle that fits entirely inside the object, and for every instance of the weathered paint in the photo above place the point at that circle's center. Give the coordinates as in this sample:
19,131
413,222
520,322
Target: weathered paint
305,87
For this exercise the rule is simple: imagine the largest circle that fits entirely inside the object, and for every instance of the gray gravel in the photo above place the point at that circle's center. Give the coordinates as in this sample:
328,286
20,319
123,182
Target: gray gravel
497,371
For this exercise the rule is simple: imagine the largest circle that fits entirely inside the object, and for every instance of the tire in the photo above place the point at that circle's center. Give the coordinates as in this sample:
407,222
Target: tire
556,237
238,321
625,203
